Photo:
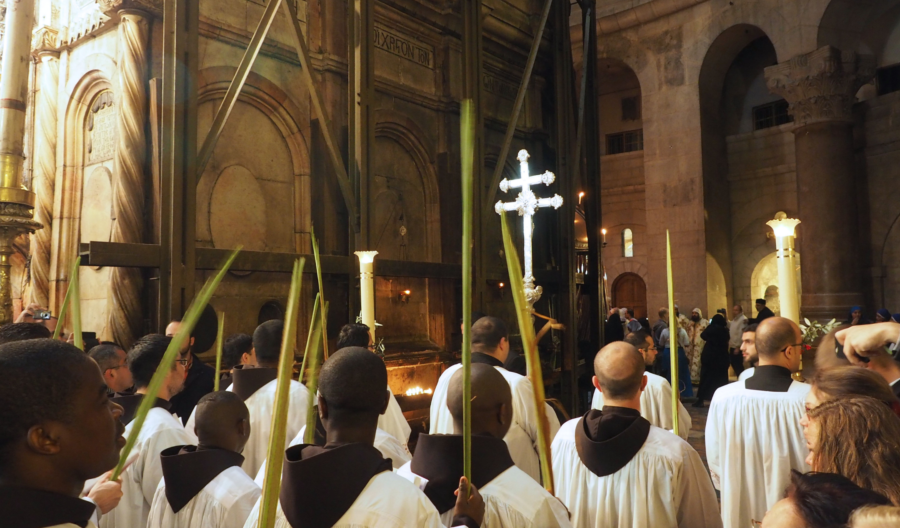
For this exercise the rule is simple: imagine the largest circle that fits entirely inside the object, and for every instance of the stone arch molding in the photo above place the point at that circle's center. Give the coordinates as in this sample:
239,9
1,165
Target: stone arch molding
408,135
292,123
69,186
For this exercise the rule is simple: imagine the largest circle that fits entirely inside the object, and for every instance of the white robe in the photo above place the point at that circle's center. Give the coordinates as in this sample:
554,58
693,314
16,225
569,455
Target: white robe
394,423
223,503
656,405
139,481
664,486
389,446
510,501
753,441
747,373
387,501
522,437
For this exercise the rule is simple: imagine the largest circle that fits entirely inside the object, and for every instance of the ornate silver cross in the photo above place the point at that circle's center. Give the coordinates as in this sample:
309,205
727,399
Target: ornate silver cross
527,205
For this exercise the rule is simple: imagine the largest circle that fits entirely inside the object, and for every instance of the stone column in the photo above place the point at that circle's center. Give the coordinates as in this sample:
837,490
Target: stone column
125,310
821,88
45,43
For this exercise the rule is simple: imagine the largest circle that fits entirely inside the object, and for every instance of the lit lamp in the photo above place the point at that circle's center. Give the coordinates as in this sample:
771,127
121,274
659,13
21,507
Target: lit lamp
603,232
787,278
367,289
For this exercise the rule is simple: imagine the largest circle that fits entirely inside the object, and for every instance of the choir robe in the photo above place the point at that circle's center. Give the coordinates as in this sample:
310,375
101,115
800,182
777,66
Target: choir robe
656,405
161,431
256,387
393,422
202,488
390,448
612,469
522,437
346,486
511,500
747,373
31,508
754,440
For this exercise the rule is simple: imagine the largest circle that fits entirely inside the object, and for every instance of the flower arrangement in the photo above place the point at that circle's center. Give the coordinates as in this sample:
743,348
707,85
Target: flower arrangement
814,330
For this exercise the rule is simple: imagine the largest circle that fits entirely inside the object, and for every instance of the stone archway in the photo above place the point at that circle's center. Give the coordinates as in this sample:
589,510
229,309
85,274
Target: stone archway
764,282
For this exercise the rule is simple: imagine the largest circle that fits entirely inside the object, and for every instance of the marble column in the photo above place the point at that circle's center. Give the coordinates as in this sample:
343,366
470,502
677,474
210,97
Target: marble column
125,306
821,88
45,43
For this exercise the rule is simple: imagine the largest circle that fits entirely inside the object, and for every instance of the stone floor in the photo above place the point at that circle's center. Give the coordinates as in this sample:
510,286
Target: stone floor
697,436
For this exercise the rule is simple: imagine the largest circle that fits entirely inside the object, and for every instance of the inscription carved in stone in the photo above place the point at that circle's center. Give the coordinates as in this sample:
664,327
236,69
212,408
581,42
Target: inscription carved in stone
497,86
404,46
102,129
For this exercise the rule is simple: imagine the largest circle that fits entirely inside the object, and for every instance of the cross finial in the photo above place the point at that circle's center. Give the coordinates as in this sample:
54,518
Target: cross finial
523,156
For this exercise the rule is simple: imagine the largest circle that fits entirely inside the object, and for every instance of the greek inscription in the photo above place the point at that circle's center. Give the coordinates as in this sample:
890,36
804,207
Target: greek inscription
404,47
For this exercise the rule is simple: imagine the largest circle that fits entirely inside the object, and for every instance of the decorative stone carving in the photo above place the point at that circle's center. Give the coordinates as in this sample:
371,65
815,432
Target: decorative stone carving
821,86
45,169
125,313
46,39
111,7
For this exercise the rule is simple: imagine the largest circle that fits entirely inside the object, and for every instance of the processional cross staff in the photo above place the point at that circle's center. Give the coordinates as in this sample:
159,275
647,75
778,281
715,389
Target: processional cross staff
527,205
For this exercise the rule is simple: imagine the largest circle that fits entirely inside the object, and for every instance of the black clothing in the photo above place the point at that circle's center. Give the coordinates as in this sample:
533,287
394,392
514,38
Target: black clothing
658,327
515,362
714,360
199,382
614,329
481,357
737,360
763,314
31,508
770,378
131,402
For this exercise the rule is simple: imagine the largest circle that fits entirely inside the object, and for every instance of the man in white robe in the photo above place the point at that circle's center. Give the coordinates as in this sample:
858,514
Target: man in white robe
656,399
748,351
347,482
204,486
58,428
512,500
753,433
256,386
490,345
613,469
161,430
392,421
390,448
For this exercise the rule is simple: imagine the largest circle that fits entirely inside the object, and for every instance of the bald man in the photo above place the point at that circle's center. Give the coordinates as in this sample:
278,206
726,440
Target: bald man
753,433
204,486
612,468
511,498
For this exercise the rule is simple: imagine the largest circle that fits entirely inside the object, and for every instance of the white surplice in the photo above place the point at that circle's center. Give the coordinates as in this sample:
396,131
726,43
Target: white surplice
394,423
656,405
510,501
753,441
387,501
223,503
389,447
139,481
746,373
522,437
664,486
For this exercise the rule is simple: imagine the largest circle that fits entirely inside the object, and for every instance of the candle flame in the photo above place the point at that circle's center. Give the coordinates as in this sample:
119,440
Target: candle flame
418,390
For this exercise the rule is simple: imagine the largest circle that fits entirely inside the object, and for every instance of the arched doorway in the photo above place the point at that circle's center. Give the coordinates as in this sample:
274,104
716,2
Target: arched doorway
630,291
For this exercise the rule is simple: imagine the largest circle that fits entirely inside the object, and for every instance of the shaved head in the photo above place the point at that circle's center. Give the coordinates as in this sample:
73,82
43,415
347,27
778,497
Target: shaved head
774,334
619,368
219,420
354,379
490,393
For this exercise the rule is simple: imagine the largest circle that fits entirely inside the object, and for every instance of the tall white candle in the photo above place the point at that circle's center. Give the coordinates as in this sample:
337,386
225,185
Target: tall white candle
367,289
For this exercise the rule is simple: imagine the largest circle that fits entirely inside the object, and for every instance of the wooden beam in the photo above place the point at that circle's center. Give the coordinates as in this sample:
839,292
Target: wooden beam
237,84
327,132
121,255
361,92
517,108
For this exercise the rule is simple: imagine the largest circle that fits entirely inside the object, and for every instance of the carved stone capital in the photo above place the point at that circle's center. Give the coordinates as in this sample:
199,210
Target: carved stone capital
111,7
821,86
45,41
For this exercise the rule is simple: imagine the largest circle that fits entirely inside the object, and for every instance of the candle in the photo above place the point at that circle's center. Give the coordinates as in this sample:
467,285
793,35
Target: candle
367,289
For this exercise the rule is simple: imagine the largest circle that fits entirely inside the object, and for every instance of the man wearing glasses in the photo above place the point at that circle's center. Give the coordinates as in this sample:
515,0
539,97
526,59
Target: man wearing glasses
199,377
656,399
753,433
111,359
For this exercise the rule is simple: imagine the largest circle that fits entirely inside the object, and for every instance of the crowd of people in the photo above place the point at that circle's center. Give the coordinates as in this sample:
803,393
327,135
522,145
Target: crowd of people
781,453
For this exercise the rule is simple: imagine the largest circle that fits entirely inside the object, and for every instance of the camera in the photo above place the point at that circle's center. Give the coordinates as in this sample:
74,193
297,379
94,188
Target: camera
42,315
